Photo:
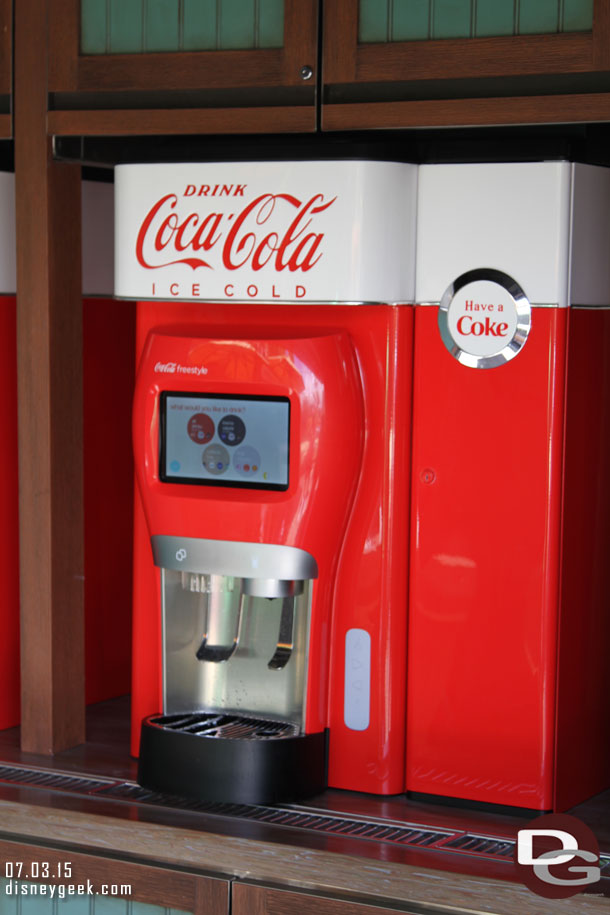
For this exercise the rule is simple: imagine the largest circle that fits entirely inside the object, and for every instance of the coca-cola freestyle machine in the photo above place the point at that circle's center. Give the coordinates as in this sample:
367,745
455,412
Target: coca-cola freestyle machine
271,434
509,633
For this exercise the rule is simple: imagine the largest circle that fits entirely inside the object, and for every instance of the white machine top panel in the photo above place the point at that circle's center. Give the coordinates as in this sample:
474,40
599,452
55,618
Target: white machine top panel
266,231
545,224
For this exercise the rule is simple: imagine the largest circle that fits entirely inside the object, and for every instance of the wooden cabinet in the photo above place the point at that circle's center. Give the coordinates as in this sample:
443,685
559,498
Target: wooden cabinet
251,65
33,877
248,899
443,62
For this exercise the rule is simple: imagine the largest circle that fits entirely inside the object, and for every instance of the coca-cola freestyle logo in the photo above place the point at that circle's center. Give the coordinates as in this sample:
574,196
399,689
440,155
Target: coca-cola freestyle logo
277,231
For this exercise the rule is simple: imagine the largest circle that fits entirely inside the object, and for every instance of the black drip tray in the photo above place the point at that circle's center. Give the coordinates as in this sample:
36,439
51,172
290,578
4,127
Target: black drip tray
211,756
229,727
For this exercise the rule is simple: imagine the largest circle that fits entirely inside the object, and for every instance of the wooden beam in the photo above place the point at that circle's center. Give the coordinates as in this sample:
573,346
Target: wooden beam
469,112
164,121
49,354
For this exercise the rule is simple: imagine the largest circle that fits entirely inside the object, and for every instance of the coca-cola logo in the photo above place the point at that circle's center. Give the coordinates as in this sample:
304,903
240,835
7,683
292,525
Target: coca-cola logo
272,229
467,325
484,318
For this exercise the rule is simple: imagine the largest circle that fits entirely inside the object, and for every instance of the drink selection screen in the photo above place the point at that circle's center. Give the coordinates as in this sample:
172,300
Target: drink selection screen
227,441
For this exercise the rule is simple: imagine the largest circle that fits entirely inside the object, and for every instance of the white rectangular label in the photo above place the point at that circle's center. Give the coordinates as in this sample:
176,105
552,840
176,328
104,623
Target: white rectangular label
266,231
357,703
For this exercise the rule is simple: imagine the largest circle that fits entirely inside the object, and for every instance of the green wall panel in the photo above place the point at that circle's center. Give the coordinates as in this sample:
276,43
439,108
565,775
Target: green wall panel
494,17
577,15
373,21
125,26
271,24
410,22
161,25
237,24
413,20
540,17
451,19
37,905
24,904
93,17
200,25
140,26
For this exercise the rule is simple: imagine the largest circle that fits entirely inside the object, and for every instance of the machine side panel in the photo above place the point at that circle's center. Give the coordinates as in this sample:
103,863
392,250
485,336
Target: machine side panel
9,520
487,463
108,378
146,691
583,711
369,641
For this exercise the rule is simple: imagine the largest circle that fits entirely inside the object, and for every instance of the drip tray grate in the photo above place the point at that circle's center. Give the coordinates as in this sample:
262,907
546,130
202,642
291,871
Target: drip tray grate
229,727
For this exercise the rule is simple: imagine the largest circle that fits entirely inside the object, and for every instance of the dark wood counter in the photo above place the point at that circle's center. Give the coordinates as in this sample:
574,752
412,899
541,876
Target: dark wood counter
77,820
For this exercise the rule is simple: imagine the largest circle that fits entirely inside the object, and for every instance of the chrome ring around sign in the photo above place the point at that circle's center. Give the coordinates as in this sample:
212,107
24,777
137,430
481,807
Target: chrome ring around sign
522,307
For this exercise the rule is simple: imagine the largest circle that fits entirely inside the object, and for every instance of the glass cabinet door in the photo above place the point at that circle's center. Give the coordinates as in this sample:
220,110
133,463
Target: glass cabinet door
106,54
428,50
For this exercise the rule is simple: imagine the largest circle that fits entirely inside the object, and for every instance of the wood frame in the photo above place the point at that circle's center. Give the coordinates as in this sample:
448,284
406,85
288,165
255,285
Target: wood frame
200,895
175,121
6,63
50,433
345,61
249,899
70,71
469,112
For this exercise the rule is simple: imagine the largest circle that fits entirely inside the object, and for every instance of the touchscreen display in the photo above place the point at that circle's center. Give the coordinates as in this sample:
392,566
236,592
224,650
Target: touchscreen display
225,441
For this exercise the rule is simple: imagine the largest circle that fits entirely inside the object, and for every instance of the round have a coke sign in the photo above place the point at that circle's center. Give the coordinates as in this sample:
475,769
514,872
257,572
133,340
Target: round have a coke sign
484,318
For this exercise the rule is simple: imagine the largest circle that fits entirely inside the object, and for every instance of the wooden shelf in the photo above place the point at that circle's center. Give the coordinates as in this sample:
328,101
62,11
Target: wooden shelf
174,121
553,109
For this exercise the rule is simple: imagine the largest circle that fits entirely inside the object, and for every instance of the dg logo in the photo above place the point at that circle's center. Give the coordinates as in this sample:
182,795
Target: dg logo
557,855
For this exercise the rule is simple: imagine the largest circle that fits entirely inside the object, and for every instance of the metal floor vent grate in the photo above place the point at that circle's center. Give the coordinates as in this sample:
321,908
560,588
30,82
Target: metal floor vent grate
43,778
480,845
395,833
282,816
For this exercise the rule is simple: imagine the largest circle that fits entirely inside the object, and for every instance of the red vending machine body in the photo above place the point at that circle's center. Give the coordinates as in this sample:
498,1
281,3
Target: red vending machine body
10,694
108,343
346,371
508,635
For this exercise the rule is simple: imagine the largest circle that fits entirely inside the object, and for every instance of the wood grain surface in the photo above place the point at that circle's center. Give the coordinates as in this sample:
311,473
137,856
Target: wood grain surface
297,119
128,833
553,109
49,354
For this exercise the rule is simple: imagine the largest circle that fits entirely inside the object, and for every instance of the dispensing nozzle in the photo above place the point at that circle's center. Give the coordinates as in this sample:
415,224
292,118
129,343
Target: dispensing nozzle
216,588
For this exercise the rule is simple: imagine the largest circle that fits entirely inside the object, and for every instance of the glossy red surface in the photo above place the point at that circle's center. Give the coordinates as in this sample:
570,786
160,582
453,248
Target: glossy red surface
108,492
363,580
108,379
487,489
371,589
509,629
583,710
320,376
9,520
